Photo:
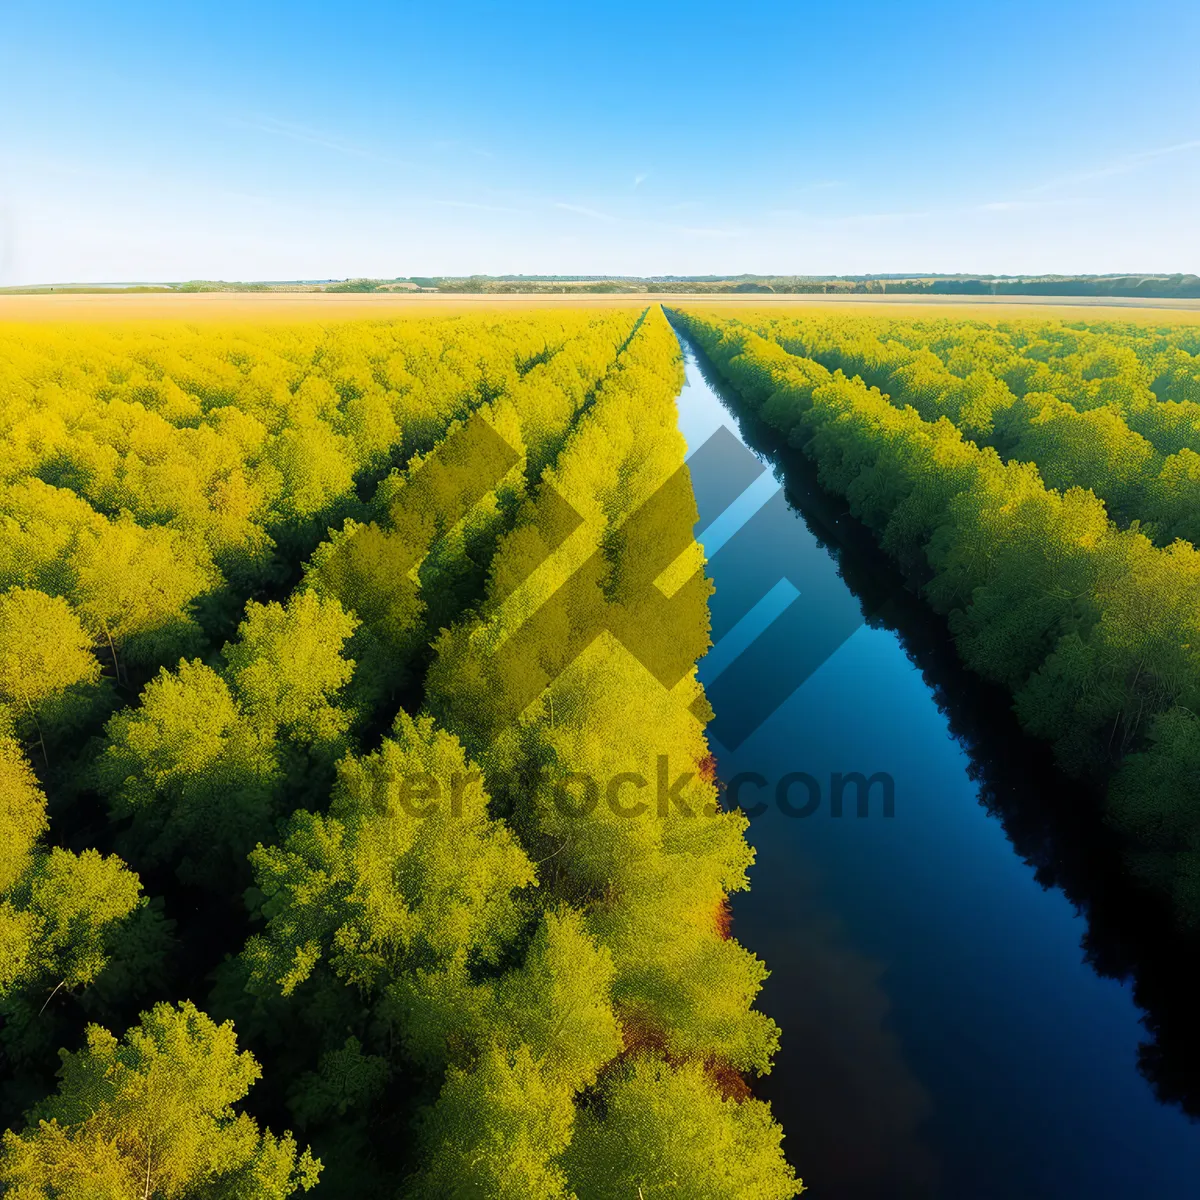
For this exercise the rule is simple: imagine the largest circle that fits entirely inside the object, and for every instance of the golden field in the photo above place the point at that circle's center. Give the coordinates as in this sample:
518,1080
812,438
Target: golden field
323,306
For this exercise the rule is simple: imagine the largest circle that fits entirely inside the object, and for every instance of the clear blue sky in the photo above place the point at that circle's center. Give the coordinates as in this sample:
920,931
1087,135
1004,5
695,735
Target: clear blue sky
251,140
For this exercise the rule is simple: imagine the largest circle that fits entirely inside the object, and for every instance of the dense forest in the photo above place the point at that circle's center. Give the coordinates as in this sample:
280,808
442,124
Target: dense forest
316,642
359,833
1038,483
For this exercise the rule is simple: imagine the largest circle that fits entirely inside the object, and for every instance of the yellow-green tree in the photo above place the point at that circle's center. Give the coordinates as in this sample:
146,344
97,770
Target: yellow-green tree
153,1116
46,660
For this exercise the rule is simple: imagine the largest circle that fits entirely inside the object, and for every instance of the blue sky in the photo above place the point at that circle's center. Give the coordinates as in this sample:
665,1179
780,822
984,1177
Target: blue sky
252,141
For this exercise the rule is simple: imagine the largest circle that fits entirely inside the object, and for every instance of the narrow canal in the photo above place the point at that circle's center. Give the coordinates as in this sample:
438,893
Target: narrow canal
936,972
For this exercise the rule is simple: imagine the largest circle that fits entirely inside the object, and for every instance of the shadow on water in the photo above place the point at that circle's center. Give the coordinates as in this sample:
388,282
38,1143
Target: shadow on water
840,1058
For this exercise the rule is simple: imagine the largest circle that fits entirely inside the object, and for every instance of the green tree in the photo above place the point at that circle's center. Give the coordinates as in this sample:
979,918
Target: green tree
316,472
136,588
22,811
152,1117
60,915
287,668
667,1131
496,1131
406,869
196,774
45,659
557,1004
71,925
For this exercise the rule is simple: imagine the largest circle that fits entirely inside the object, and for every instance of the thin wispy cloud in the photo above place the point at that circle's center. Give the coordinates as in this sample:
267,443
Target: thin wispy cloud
459,144
582,211
883,218
877,218
313,137
477,207
703,231
1120,166
1027,205
638,180
243,197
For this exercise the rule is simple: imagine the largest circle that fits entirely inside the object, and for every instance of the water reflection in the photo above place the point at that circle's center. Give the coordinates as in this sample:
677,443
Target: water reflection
852,1107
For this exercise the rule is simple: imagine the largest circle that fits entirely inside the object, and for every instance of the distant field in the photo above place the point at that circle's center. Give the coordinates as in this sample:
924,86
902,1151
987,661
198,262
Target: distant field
982,308
286,306
293,306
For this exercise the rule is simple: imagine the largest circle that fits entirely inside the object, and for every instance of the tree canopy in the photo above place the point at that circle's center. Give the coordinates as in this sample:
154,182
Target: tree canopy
303,630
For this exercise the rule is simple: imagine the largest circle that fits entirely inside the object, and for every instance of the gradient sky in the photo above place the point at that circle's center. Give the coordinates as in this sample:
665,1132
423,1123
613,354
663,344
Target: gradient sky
272,141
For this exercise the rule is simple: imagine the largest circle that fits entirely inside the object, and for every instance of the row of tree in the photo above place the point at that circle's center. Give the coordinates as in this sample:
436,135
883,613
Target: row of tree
1083,404
204,766
197,769
561,1001
157,477
552,1005
575,691
1093,628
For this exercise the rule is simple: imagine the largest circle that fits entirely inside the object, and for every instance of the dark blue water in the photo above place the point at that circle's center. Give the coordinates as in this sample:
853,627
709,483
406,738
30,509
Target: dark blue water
945,1032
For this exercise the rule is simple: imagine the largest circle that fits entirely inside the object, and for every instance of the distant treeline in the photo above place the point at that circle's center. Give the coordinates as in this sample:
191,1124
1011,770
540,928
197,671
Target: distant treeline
1151,286
1177,286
